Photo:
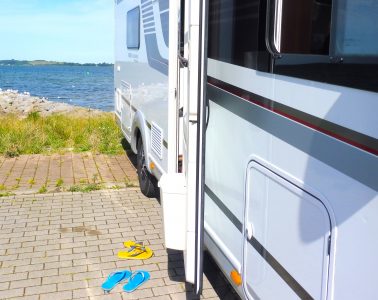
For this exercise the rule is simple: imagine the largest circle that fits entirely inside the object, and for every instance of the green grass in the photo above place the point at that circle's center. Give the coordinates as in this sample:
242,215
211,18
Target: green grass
6,194
42,190
129,183
59,182
57,133
85,188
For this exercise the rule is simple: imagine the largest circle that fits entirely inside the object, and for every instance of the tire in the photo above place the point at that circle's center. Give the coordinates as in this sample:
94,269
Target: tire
147,182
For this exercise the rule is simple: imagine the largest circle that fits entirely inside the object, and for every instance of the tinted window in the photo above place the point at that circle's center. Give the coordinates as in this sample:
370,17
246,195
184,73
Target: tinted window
236,32
355,30
329,41
133,28
305,26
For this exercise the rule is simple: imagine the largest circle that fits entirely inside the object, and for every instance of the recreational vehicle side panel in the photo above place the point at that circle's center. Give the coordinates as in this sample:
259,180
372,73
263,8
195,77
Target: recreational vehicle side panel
141,76
317,133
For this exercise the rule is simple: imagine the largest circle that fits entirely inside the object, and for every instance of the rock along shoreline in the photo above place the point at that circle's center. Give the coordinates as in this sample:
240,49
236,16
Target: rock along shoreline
22,104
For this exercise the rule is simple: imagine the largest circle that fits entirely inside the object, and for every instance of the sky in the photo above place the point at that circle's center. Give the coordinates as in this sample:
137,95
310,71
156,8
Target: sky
58,30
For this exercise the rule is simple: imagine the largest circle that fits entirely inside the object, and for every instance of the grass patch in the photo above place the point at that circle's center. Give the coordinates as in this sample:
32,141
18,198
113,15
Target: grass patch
6,194
129,183
57,133
85,188
116,187
59,182
42,189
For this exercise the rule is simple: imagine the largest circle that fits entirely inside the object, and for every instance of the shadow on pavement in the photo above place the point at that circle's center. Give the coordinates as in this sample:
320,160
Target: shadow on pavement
214,275
130,154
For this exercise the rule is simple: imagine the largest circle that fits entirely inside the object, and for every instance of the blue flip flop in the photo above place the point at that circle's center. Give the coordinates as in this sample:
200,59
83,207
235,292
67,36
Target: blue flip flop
137,279
114,279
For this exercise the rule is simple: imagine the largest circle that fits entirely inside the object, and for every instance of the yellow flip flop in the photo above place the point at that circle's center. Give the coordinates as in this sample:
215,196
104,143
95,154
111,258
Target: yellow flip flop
135,251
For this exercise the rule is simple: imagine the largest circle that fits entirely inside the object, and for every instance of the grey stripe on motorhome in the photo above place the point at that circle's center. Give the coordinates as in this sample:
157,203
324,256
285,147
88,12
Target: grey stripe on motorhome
360,165
128,103
215,244
276,266
352,137
149,30
165,143
163,5
164,19
146,15
147,20
224,209
154,58
290,281
147,9
145,4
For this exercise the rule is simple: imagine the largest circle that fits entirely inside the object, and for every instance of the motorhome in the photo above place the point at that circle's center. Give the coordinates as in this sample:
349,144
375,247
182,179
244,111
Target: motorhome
257,120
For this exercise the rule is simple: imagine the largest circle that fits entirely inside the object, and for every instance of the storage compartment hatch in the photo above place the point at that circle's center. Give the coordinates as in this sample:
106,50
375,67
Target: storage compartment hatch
287,239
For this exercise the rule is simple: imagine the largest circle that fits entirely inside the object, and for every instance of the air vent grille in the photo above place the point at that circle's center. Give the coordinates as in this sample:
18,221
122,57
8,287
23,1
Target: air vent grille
157,140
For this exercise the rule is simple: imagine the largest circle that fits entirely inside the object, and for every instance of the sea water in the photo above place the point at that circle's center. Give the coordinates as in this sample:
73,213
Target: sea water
87,86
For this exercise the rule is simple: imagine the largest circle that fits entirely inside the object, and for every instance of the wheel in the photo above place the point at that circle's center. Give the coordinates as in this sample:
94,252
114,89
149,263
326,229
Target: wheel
147,182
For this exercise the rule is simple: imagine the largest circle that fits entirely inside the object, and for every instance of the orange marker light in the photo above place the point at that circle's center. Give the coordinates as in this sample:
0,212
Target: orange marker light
236,277
152,165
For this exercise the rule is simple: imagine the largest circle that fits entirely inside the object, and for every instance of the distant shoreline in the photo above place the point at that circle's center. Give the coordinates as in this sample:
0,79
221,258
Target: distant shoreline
40,63
22,104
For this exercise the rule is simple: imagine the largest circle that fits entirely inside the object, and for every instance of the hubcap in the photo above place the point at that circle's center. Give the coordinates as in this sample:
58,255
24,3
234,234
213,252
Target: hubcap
143,169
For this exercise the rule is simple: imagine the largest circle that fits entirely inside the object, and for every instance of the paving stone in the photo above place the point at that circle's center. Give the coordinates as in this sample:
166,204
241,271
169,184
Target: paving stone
139,294
72,285
72,243
4,286
10,293
25,283
87,292
40,289
66,295
57,279
32,297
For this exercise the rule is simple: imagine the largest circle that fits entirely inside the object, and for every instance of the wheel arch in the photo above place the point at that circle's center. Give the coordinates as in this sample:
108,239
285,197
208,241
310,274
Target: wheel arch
139,130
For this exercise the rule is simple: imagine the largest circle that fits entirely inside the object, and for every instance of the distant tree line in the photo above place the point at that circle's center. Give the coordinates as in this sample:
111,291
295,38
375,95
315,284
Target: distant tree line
14,62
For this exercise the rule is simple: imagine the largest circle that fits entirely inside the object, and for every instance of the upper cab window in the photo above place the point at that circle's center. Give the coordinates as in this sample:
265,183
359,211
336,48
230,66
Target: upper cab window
133,28
332,41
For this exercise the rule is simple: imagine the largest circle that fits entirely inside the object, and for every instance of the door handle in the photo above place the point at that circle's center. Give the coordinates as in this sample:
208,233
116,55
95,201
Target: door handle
249,231
183,61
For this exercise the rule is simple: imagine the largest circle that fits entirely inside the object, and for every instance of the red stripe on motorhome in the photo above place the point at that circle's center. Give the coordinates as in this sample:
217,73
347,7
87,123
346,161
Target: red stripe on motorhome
248,96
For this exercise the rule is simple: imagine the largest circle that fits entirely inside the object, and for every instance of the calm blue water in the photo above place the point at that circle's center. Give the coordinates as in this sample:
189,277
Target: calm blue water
83,86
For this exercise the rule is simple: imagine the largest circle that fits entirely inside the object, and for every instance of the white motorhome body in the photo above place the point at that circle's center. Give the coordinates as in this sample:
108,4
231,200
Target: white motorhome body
290,153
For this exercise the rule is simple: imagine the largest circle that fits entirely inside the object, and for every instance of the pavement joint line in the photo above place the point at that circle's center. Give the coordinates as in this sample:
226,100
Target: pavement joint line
37,170
56,239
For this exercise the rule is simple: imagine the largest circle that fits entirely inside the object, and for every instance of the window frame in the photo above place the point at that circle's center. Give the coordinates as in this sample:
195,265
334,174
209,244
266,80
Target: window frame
289,64
133,46
260,58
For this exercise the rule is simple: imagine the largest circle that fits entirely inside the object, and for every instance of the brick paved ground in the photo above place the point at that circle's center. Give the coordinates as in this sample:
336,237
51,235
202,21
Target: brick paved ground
28,173
63,245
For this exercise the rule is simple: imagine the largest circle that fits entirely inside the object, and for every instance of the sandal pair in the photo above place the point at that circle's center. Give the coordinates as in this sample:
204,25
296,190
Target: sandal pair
135,280
135,251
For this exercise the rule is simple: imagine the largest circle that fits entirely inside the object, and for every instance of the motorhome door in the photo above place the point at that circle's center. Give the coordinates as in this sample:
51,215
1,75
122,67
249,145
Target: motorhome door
191,94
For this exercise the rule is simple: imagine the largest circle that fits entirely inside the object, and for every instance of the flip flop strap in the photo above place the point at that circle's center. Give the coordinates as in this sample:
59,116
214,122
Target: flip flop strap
136,273
136,246
114,273
141,250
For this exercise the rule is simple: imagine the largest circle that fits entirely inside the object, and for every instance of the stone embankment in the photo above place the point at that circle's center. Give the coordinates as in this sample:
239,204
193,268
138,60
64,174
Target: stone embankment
13,102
